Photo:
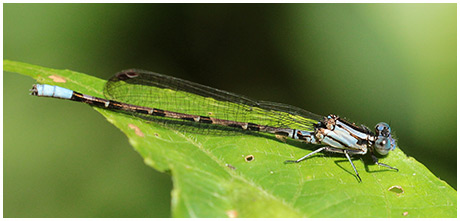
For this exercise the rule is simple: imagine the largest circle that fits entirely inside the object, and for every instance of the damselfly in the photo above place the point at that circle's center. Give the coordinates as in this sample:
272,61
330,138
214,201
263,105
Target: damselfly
151,96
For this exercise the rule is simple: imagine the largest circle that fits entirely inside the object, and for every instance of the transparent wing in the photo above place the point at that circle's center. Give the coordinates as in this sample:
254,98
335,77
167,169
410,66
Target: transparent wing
159,91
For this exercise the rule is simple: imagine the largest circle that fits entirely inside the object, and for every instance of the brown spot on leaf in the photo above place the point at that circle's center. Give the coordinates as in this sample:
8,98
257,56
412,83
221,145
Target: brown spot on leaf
230,166
232,213
57,78
281,138
136,130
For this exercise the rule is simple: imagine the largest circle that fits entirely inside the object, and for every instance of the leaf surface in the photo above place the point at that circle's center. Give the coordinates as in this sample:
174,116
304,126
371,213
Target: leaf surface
213,178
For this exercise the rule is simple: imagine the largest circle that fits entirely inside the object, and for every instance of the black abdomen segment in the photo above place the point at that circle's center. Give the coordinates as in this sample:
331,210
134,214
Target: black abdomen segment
115,105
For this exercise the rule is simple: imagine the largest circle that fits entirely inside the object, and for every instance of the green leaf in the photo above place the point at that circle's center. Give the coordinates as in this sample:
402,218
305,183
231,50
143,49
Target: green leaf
213,178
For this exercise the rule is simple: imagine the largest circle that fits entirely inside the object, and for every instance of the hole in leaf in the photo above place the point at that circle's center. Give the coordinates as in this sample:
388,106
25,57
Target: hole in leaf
405,213
249,158
396,189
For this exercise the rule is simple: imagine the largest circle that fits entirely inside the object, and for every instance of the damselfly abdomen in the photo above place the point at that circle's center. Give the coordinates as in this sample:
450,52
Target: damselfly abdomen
151,96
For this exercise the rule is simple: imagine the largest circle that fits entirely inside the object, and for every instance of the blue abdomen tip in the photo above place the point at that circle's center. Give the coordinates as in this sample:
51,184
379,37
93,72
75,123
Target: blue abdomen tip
46,90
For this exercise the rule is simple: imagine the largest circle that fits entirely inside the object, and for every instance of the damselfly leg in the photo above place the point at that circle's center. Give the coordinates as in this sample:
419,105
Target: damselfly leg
306,156
330,149
376,161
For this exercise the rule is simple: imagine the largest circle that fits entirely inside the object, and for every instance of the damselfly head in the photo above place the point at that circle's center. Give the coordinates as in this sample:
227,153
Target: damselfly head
384,142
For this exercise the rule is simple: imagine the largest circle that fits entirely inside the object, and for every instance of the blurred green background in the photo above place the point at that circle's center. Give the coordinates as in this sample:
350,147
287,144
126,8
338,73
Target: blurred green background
368,62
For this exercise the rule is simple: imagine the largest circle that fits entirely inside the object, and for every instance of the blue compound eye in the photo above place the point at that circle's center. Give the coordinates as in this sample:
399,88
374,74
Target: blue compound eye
384,142
383,145
383,129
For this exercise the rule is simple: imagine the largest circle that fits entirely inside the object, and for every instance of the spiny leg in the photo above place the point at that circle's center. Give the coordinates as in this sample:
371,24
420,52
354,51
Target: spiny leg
376,161
330,149
306,156
354,168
